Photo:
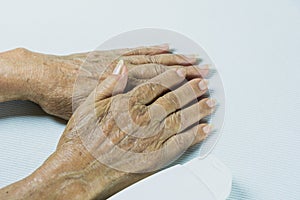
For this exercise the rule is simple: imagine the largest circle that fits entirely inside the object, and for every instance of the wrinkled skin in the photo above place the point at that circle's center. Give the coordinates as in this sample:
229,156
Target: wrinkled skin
78,168
142,120
57,83
159,119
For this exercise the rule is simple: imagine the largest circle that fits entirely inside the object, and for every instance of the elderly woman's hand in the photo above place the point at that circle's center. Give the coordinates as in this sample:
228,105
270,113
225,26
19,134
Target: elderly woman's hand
146,128
137,132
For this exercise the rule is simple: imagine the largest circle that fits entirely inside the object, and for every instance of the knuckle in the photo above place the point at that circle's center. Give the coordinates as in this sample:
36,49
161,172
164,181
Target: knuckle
153,59
173,122
159,68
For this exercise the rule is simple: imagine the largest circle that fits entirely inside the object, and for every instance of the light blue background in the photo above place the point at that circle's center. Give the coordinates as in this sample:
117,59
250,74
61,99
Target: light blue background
255,45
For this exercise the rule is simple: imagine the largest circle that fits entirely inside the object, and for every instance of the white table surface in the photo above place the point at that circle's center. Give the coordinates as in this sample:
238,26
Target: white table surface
255,45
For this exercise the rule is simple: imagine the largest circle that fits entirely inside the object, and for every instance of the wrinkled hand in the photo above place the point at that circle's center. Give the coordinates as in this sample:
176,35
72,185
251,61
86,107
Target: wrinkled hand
65,81
140,131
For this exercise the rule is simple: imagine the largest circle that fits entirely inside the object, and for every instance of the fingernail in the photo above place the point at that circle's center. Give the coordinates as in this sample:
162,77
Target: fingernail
203,84
119,68
124,70
181,72
211,103
207,129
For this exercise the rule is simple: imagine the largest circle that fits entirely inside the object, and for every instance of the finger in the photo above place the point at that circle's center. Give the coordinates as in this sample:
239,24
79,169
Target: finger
155,87
175,145
182,119
113,84
180,97
147,71
150,70
202,70
190,137
145,50
139,74
202,131
165,59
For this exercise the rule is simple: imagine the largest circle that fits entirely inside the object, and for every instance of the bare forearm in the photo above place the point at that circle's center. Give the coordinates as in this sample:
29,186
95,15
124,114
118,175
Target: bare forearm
44,79
57,178
15,75
64,176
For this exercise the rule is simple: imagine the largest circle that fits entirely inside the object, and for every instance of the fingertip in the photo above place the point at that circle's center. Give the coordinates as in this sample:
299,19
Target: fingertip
207,128
204,70
164,46
193,59
203,84
211,103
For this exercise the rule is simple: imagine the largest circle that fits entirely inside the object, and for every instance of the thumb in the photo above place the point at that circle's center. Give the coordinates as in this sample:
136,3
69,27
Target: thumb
114,84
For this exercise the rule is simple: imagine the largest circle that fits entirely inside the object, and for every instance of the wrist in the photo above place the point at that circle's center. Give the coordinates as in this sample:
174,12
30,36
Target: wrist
78,175
16,73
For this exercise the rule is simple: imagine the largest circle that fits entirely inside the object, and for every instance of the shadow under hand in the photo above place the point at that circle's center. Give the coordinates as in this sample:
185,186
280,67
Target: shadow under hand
24,108
28,136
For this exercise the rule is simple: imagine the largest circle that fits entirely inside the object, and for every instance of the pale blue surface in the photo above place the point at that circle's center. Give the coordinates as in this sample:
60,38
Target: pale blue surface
255,45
